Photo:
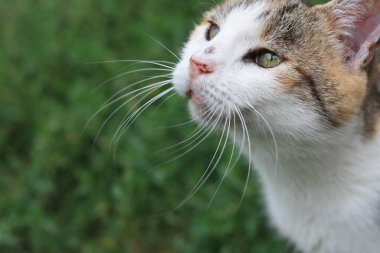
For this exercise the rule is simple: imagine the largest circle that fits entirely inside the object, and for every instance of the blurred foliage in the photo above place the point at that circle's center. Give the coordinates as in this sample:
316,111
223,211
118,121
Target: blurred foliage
65,190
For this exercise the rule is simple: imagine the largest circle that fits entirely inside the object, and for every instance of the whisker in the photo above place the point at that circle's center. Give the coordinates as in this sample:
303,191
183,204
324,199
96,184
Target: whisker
163,102
197,132
229,162
129,72
188,122
240,153
108,102
208,131
245,131
273,138
137,83
143,90
208,171
140,91
201,135
270,131
161,44
131,118
157,63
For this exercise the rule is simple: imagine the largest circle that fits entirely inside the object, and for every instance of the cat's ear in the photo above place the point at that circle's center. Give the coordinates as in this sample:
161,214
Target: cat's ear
357,23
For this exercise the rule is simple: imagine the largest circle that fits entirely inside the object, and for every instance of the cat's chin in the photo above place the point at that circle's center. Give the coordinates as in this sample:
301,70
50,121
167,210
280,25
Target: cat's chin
196,100
201,114
211,116
198,112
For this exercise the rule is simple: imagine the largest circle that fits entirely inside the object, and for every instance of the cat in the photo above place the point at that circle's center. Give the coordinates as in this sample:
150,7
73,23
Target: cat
301,85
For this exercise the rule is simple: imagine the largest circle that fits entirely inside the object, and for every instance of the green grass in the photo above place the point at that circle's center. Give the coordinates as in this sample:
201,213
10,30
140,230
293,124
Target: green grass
63,192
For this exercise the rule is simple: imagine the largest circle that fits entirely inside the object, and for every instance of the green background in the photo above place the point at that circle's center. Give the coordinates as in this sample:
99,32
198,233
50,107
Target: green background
64,190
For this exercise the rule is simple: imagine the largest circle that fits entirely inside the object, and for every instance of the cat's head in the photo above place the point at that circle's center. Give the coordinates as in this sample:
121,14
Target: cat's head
298,68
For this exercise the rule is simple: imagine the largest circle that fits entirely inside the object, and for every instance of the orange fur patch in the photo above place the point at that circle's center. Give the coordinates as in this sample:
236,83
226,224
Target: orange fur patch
351,90
376,126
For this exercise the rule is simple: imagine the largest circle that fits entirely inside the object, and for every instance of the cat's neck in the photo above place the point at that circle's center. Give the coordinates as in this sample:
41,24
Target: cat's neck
329,187
342,157
344,149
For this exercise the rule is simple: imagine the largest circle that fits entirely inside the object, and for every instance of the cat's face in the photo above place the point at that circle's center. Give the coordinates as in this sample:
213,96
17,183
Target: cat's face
281,63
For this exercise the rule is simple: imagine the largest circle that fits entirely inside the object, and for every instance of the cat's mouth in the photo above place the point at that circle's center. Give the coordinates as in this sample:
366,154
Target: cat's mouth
205,111
195,99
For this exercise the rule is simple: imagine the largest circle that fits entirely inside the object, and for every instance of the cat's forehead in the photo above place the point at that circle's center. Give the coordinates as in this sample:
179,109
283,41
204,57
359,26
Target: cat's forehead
286,26
266,7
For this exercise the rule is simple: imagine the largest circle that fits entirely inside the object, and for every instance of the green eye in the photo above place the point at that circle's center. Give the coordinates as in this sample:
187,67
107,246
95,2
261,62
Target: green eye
268,59
212,31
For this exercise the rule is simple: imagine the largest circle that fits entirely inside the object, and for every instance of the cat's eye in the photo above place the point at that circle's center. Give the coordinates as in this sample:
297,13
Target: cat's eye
267,59
212,31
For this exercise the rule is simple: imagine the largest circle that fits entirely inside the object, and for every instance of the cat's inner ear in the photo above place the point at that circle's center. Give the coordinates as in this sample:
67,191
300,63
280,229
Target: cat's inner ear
357,23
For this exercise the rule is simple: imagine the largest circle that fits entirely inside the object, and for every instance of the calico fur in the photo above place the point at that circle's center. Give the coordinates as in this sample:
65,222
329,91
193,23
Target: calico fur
371,106
311,125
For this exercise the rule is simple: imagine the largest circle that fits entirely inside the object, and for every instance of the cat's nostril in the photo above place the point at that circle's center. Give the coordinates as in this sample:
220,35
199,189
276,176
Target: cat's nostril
209,50
198,68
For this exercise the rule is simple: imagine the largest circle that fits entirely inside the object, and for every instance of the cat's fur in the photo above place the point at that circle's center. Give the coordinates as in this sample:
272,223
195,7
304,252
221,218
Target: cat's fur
321,171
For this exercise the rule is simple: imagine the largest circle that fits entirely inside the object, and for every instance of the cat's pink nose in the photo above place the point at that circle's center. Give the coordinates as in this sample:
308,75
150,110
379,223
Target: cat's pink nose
198,68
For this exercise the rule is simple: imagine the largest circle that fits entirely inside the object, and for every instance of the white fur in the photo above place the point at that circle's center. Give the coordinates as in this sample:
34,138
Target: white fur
322,188
324,194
